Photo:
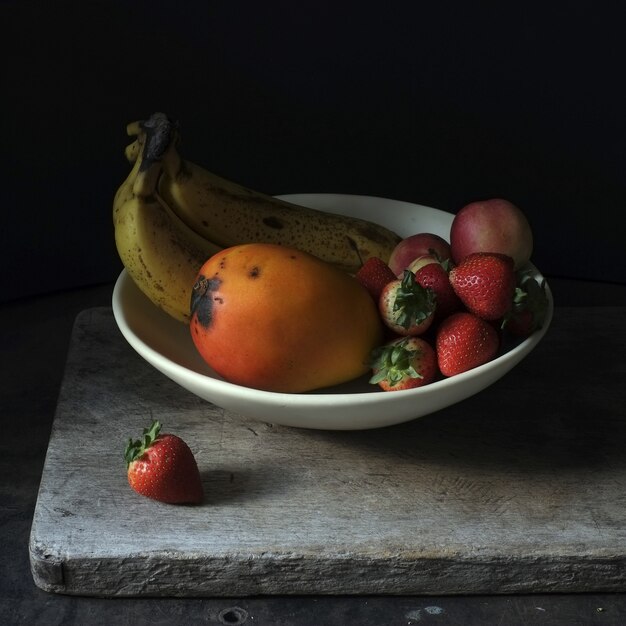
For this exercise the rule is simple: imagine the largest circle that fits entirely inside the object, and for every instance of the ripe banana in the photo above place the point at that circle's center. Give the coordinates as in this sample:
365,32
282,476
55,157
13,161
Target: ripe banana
230,214
160,253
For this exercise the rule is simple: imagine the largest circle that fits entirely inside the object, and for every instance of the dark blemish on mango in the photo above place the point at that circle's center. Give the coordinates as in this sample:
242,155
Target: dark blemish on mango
202,299
273,222
254,272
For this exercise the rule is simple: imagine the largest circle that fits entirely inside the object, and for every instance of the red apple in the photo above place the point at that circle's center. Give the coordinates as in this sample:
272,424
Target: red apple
415,246
494,225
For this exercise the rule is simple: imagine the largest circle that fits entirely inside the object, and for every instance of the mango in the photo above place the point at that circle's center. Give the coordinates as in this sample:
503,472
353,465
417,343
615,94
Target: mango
278,319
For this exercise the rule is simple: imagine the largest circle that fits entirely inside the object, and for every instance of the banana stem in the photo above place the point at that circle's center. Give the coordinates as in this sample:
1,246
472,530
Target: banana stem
155,137
160,132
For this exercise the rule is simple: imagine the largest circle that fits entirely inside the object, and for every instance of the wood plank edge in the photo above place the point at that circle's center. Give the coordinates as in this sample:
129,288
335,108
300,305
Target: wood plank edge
46,568
172,575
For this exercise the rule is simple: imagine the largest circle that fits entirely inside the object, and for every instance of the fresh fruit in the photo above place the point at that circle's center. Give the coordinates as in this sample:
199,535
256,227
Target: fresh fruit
374,275
406,307
414,246
168,223
485,283
160,253
279,319
161,466
404,363
494,225
435,277
465,341
425,259
530,306
229,214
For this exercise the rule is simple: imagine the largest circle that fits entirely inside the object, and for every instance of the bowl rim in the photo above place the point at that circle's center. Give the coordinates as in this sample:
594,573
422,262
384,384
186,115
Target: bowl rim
320,398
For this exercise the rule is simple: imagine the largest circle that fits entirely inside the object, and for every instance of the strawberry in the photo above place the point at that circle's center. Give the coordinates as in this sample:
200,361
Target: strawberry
406,307
435,276
485,284
465,341
162,467
404,363
374,275
530,304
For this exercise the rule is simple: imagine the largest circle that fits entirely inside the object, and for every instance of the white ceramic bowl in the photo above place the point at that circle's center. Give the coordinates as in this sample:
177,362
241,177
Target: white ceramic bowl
166,344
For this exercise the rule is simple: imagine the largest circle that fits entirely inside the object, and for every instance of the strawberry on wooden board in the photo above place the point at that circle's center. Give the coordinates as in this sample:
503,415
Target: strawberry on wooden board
435,276
406,307
162,467
404,363
465,341
485,283
374,275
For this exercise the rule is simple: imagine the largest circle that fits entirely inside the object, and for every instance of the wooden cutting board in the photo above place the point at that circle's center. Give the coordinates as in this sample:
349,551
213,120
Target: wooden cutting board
521,488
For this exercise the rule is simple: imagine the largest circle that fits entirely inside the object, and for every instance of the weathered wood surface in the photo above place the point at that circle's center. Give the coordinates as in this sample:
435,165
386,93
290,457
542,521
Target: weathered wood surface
521,488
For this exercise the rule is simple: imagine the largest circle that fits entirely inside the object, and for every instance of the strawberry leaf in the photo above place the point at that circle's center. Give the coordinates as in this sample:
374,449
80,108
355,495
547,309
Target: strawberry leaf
135,449
530,297
394,363
413,302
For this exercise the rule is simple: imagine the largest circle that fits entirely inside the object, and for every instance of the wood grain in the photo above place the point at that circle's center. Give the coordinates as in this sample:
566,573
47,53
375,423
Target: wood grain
518,489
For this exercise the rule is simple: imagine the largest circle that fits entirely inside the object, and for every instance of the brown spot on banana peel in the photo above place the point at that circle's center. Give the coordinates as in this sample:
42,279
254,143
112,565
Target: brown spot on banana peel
300,225
355,247
273,222
132,151
143,265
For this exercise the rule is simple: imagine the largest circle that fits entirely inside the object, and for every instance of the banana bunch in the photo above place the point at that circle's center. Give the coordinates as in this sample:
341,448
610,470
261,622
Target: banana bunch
171,215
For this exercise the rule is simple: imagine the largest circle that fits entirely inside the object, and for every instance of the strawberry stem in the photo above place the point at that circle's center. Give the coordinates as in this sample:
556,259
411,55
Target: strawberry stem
413,303
530,295
135,449
394,362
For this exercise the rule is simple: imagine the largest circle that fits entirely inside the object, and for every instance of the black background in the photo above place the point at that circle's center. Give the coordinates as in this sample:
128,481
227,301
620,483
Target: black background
433,103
